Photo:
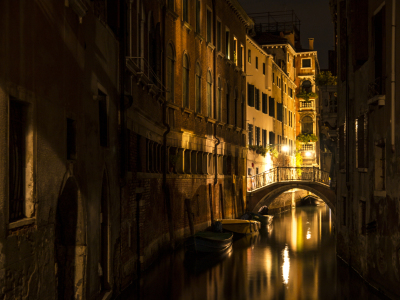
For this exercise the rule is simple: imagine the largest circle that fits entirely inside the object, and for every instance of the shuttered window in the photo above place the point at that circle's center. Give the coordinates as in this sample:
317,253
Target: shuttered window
257,99
272,107
250,95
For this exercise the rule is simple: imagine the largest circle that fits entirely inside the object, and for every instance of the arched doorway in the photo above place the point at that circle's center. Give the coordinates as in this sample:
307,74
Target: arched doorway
70,243
104,236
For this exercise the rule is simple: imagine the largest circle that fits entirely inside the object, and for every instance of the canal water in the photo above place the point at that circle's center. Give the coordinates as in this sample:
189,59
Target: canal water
294,258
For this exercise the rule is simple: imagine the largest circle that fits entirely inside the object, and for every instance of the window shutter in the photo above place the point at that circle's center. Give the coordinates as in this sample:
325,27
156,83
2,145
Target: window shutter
272,107
257,99
250,95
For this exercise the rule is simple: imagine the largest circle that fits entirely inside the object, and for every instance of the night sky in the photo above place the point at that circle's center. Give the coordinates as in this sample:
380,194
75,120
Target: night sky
315,17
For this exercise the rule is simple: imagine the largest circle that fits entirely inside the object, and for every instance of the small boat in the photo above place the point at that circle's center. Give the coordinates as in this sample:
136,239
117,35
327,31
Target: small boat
263,219
311,200
240,226
208,241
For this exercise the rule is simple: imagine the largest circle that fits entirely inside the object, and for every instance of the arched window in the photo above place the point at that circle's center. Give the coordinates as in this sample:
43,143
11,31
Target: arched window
170,73
185,87
198,88
209,97
218,113
307,125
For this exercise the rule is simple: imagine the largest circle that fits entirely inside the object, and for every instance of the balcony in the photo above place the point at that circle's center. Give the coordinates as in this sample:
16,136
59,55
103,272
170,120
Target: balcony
141,69
304,105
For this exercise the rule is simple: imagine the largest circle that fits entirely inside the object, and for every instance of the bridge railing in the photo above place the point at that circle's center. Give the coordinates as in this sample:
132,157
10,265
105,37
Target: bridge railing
287,174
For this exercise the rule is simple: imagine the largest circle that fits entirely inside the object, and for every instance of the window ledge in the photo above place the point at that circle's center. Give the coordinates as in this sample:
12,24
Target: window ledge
199,36
187,25
363,170
172,14
380,193
243,74
186,110
21,223
211,120
228,61
200,116
172,105
238,129
210,45
238,69
378,99
220,54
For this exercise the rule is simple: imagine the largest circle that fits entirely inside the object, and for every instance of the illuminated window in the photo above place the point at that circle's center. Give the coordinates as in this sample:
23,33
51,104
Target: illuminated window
307,125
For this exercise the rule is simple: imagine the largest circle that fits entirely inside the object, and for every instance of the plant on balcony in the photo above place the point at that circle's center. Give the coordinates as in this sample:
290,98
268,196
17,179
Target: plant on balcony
307,138
306,96
263,151
325,78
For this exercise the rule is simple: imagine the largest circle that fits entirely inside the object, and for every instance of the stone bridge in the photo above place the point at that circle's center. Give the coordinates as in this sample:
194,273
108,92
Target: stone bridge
263,188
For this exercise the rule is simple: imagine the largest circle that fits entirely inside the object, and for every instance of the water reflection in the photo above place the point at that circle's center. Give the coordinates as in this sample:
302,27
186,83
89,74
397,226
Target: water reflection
292,259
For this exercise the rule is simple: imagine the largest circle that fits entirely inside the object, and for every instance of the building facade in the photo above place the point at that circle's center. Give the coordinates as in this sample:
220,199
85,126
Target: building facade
59,164
368,210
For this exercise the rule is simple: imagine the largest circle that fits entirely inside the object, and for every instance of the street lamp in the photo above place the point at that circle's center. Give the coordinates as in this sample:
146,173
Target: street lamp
308,153
285,148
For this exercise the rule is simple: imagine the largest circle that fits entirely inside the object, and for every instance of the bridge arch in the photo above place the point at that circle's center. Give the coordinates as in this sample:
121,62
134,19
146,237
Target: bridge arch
265,195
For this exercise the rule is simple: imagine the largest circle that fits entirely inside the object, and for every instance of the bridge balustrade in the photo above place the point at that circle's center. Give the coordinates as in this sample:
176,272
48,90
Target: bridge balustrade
287,174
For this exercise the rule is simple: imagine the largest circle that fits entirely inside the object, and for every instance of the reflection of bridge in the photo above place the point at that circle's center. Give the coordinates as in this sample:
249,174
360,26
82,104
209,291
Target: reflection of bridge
263,188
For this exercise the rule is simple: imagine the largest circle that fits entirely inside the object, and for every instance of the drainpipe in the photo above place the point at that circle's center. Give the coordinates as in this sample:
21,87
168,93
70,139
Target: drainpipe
164,165
215,91
393,81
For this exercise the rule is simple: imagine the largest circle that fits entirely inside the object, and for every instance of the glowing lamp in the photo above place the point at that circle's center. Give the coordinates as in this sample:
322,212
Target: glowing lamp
285,148
308,154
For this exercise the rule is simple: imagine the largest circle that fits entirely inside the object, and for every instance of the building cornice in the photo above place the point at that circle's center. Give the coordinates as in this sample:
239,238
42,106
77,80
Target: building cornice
241,13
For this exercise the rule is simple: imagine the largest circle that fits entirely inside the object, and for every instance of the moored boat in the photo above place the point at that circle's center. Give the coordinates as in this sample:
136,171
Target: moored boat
208,241
240,226
263,219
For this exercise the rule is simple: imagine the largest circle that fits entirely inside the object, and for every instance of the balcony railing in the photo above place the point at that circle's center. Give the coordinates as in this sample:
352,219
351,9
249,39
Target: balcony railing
287,174
304,104
141,68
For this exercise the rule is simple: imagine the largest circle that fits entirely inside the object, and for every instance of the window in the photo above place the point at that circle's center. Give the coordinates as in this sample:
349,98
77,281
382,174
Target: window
342,145
103,119
236,110
71,139
18,159
361,142
379,30
185,81
227,44
279,111
256,62
285,88
198,16
209,26
250,127
257,99
171,4
272,107
288,58
257,136
264,103
263,68
306,63
198,88
170,73
271,138
249,56
273,77
218,112
185,11
235,52
264,138
380,165
218,35
242,56
250,95
307,125
209,96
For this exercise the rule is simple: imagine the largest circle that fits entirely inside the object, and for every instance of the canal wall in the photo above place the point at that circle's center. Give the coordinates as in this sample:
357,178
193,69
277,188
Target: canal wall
284,201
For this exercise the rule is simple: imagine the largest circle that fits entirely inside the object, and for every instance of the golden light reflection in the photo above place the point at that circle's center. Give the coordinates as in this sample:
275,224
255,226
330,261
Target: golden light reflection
286,265
308,233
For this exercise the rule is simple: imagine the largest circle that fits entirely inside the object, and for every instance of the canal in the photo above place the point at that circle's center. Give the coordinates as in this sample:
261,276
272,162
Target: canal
294,258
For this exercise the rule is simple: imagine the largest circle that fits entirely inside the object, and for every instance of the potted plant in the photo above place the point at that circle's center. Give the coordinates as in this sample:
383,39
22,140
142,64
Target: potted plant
307,138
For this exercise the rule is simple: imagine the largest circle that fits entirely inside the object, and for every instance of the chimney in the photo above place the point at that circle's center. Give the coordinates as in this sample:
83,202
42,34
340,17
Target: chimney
311,43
